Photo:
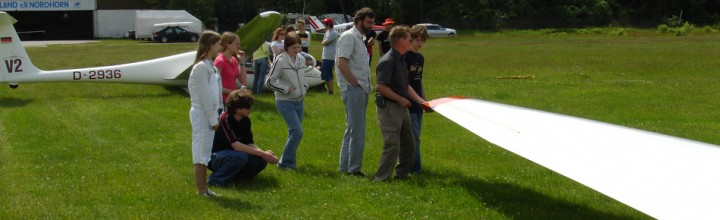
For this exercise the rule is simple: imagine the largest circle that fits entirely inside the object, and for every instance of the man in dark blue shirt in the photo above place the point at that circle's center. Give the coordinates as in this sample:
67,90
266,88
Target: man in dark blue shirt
235,156
415,62
384,36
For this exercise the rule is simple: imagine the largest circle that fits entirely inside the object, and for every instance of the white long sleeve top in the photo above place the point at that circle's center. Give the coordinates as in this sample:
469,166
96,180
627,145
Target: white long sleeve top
204,88
284,74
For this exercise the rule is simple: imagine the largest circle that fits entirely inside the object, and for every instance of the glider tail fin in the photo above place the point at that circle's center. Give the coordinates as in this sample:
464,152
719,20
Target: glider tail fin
14,59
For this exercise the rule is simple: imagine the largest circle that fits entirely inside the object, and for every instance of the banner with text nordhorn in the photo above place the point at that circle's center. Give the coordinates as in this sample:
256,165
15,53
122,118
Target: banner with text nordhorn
48,5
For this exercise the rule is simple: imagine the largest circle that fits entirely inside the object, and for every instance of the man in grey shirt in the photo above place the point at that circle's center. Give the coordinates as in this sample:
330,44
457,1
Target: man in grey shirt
353,79
394,118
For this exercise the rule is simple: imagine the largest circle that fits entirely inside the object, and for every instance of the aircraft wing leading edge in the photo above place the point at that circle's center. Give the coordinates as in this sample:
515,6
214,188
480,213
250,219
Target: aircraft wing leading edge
256,32
663,176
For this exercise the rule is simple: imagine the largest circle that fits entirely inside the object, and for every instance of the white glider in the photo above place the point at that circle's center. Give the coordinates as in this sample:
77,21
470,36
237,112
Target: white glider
663,176
171,70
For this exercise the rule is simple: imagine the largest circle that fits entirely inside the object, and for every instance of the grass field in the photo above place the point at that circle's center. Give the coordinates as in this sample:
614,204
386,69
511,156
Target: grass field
98,151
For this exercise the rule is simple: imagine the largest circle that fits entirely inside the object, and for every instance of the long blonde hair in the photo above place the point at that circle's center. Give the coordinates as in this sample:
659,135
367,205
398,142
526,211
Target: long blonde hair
206,41
228,38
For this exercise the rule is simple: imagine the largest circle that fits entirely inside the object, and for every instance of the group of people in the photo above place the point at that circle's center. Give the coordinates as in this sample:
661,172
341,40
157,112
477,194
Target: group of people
399,91
222,138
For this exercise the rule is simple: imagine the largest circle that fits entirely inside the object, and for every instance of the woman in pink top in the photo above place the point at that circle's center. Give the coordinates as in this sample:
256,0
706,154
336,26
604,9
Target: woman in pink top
227,63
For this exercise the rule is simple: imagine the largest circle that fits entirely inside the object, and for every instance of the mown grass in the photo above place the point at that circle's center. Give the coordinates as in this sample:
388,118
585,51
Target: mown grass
87,150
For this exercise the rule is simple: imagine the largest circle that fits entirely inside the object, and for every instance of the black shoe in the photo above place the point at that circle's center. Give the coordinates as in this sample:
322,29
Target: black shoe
358,173
402,178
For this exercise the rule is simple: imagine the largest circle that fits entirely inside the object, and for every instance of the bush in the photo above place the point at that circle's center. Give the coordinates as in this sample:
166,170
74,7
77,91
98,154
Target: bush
553,32
684,29
590,31
709,29
619,32
663,28
673,21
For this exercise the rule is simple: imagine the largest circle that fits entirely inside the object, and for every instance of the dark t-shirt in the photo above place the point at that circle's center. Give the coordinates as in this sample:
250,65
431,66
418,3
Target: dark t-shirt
367,40
415,63
392,72
384,39
231,130
302,36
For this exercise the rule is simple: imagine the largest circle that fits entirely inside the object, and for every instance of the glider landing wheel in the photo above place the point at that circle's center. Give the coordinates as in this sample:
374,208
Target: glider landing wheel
13,85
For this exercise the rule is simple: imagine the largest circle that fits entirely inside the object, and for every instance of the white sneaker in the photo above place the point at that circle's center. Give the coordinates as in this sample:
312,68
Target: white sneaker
209,194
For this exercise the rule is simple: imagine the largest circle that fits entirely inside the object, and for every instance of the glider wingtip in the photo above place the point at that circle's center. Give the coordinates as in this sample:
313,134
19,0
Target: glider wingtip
435,102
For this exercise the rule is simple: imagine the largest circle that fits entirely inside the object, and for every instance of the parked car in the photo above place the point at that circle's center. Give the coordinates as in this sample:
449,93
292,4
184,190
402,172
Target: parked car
174,33
435,30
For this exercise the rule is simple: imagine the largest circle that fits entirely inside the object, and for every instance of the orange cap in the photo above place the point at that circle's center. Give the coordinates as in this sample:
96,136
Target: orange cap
389,21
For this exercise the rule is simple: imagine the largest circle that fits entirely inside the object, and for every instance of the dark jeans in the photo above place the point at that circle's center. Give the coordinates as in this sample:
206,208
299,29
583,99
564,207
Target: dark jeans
230,166
260,68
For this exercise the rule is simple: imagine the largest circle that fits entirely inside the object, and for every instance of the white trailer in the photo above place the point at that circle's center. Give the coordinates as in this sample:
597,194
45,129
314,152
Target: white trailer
117,23
145,21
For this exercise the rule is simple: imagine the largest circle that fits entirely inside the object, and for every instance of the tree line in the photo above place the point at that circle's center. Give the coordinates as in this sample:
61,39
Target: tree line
468,14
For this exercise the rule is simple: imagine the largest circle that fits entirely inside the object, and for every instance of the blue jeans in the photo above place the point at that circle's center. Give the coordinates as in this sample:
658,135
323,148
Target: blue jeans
326,70
292,112
230,166
416,119
353,143
260,68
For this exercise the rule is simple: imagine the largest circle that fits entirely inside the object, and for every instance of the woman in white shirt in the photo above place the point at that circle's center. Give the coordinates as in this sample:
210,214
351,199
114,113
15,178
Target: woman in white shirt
277,42
206,100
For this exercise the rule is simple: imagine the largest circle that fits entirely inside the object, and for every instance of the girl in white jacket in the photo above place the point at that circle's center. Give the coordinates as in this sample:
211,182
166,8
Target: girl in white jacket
206,100
287,79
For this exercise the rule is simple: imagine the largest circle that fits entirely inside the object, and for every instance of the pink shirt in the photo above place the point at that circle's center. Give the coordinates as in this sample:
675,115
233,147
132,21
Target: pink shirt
229,71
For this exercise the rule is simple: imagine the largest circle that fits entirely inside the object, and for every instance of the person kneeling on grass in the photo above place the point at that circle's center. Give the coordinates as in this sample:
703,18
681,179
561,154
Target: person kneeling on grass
235,156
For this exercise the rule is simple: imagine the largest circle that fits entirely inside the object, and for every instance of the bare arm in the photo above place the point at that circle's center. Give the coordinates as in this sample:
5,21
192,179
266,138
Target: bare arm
345,71
241,73
252,149
420,99
415,97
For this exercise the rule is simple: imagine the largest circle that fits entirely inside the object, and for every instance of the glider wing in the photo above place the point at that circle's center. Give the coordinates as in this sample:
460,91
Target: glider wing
663,176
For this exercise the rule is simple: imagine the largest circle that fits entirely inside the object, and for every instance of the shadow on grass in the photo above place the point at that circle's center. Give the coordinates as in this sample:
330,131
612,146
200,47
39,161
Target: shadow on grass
234,204
318,171
515,201
177,90
13,102
170,92
259,183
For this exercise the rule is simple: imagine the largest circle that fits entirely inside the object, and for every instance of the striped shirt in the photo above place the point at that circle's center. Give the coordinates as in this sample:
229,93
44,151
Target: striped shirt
231,130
